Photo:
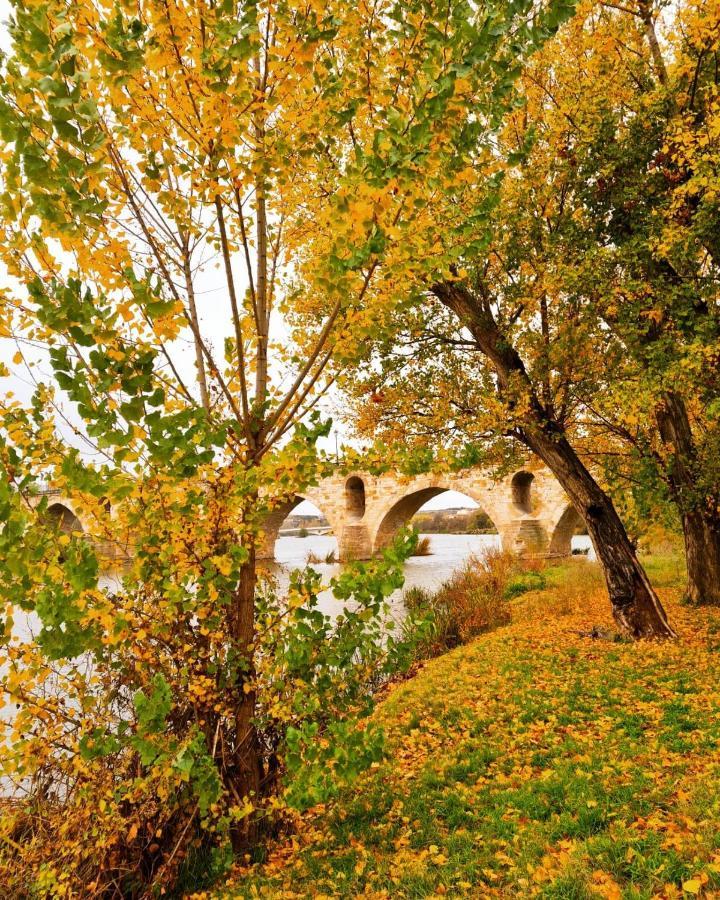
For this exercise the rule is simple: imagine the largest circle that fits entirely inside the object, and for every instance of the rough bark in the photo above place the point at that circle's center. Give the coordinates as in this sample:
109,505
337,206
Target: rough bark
700,519
635,606
702,552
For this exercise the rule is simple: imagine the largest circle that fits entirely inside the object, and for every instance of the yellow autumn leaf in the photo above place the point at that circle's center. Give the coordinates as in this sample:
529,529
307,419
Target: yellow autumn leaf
222,564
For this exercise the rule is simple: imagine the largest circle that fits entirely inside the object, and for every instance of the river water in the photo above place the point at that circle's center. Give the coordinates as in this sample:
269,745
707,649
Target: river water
448,552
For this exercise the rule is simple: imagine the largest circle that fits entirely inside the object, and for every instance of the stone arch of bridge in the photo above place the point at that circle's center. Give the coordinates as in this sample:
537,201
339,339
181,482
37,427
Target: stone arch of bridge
403,508
521,489
569,523
60,515
273,523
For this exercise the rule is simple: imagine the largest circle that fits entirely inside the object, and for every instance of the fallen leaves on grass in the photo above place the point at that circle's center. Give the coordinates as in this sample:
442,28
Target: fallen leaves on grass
532,762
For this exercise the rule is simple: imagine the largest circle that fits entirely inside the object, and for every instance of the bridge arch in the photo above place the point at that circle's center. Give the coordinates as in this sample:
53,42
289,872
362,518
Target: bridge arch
521,489
403,508
61,516
273,523
568,525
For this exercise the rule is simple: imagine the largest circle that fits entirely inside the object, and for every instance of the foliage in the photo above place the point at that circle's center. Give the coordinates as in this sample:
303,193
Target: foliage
329,559
175,409
532,762
468,604
336,160
661,541
423,546
648,274
599,265
117,742
440,521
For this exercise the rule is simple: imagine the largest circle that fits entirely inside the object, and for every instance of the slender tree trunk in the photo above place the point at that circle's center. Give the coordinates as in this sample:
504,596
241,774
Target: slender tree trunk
699,514
262,306
246,771
648,21
636,607
199,361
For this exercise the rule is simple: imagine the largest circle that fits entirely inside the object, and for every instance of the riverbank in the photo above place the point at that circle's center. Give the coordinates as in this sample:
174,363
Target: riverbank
533,762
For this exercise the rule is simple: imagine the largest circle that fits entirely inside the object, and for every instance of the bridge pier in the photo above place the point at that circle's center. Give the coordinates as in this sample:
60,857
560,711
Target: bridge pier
525,537
354,542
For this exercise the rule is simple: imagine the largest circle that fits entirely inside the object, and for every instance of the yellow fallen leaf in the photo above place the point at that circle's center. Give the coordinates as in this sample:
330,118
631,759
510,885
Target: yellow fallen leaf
692,885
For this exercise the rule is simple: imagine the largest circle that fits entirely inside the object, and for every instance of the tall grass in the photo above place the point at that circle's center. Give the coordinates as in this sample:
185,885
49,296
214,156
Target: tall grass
471,602
312,559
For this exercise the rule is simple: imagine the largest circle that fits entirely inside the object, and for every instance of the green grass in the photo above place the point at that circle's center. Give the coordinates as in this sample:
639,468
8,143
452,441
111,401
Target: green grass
524,582
532,762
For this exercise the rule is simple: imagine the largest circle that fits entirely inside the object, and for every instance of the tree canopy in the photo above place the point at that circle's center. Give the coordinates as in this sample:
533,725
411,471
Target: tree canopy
206,208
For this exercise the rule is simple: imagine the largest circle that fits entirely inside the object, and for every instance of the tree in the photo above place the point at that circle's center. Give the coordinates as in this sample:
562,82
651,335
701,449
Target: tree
628,211
142,145
529,297
649,198
636,607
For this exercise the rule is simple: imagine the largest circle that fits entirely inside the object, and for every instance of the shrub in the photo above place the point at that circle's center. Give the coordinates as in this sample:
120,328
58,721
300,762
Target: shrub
423,546
119,753
469,603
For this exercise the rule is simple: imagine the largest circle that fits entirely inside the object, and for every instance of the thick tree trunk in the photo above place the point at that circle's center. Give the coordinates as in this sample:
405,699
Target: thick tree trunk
700,519
636,607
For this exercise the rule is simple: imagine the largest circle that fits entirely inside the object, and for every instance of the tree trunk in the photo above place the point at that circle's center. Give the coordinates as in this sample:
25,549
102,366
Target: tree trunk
702,555
700,519
246,769
636,607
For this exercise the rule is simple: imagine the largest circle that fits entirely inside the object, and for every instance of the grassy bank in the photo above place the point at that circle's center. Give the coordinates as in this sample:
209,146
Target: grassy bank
533,762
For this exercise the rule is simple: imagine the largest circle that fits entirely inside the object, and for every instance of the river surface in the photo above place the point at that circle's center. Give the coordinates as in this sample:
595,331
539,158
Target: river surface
448,553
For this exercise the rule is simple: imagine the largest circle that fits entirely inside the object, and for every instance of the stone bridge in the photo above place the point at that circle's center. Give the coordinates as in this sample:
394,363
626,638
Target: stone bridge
529,509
